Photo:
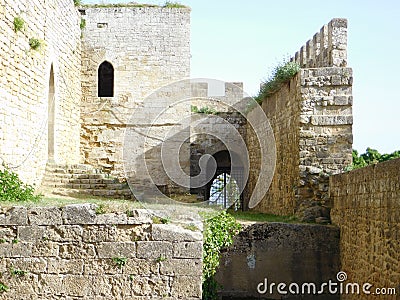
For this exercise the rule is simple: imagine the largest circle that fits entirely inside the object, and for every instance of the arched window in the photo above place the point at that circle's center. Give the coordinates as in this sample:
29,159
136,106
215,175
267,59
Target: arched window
106,80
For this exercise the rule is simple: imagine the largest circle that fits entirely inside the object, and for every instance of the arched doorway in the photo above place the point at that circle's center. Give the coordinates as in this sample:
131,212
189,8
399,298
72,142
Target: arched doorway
226,183
51,116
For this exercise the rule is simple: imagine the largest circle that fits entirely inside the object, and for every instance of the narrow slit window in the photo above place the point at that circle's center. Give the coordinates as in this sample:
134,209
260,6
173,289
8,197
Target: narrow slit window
106,80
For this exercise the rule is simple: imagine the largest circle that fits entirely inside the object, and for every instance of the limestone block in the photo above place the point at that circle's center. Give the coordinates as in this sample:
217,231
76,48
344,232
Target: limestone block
186,286
14,216
154,249
169,232
188,250
102,233
65,233
79,213
176,267
44,216
116,249
65,266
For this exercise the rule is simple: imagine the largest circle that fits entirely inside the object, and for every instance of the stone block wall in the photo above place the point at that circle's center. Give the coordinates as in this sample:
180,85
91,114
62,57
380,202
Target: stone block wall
366,206
74,253
148,47
311,117
278,252
26,106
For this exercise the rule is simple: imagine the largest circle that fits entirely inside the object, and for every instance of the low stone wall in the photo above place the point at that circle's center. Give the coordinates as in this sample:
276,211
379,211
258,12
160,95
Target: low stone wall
288,253
74,253
366,207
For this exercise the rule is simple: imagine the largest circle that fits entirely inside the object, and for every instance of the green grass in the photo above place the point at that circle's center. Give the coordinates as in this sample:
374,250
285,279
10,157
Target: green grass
261,217
167,4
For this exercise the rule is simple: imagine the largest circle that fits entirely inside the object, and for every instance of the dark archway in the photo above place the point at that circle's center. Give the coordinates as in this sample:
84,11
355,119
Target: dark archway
51,103
106,80
227,181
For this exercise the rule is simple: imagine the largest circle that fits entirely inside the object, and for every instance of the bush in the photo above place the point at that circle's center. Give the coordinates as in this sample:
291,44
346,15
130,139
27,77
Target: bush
218,233
13,189
19,24
203,110
34,43
281,74
371,156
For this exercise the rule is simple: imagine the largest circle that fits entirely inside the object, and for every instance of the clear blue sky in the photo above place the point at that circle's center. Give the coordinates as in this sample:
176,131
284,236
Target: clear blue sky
242,41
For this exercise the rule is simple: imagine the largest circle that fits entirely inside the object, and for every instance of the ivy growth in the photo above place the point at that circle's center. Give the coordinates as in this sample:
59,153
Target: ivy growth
19,24
218,233
281,74
82,25
13,189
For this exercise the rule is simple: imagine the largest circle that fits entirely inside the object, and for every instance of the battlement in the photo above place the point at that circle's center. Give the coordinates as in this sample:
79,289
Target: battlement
328,47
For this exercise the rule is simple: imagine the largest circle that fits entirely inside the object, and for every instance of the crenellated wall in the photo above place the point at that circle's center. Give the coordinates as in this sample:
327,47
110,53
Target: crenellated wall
74,252
311,117
366,205
327,48
39,112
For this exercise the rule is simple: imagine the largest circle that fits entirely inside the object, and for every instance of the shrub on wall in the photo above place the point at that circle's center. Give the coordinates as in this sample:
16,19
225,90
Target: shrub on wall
19,24
281,74
35,43
13,189
218,233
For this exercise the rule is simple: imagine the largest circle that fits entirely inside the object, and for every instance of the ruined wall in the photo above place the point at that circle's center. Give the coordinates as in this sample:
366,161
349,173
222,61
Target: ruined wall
288,253
148,48
74,253
366,206
311,117
26,108
212,133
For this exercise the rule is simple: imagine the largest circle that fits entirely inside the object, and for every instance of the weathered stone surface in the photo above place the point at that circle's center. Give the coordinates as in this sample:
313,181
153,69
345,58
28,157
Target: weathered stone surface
281,253
45,216
188,249
14,216
164,232
116,249
79,213
366,208
154,250
99,261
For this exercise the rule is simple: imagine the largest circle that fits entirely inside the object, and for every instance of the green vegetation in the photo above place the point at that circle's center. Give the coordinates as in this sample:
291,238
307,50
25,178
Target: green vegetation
203,110
17,272
218,233
13,189
371,156
19,24
191,227
261,217
170,4
120,261
161,258
281,74
158,220
82,25
15,241
100,209
35,43
77,2
167,4
3,287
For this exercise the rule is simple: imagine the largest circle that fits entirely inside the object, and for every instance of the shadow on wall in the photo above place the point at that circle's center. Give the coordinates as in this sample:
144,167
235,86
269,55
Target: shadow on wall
279,252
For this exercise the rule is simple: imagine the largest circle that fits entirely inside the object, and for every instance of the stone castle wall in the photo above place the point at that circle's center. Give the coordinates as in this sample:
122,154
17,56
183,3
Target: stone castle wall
148,47
311,117
26,108
366,205
74,253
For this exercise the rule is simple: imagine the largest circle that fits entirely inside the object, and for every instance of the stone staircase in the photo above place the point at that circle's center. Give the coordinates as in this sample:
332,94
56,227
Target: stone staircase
79,179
